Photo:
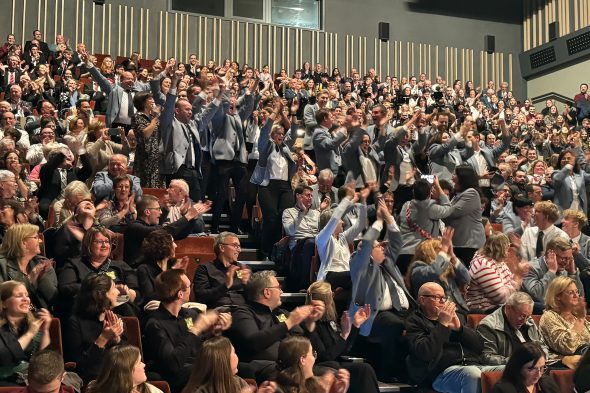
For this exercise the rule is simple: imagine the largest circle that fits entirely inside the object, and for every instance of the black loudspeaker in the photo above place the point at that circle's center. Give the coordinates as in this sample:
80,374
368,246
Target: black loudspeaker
490,43
384,31
99,2
553,27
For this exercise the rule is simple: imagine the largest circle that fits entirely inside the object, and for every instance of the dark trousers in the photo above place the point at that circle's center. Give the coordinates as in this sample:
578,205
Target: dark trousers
362,377
192,177
465,254
274,199
205,183
300,266
387,332
221,172
343,282
402,194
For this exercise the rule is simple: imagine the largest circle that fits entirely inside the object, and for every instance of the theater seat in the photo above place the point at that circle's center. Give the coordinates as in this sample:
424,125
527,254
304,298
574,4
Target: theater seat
133,332
55,335
157,192
564,379
489,379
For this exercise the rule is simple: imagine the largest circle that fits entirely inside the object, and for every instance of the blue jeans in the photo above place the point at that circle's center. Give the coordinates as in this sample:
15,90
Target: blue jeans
462,379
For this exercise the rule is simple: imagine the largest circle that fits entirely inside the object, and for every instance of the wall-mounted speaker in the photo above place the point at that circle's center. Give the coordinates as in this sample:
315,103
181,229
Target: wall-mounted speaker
383,31
490,43
553,27
99,2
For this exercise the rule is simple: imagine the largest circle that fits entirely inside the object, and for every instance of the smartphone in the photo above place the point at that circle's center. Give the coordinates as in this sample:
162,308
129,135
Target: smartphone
113,131
428,178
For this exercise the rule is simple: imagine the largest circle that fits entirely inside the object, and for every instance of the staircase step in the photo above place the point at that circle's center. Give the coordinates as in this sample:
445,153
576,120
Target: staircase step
258,265
394,387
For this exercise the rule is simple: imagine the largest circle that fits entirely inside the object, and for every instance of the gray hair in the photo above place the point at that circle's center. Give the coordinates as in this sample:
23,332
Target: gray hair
6,175
326,174
519,298
220,239
258,282
182,184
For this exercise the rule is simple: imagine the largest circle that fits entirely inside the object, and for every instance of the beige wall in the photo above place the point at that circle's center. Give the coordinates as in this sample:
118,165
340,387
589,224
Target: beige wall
565,81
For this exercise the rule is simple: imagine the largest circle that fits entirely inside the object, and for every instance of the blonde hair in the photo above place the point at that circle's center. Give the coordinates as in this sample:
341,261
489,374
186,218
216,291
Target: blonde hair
549,209
426,252
12,244
556,288
496,246
576,215
322,290
73,189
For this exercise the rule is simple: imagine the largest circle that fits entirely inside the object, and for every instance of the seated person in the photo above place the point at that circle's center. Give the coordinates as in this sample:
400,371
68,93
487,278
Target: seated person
563,324
557,261
434,260
46,374
582,374
300,223
102,186
525,372
148,220
158,256
492,281
93,328
120,210
20,261
572,224
444,354
260,325
67,240
222,282
95,258
178,197
376,280
22,333
517,216
507,328
535,239
11,212
331,339
74,193
174,334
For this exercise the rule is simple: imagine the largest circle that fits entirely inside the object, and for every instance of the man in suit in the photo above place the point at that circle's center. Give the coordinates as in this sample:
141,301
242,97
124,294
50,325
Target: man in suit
193,68
327,141
229,155
34,57
324,189
11,73
310,122
120,109
37,40
58,172
180,139
102,186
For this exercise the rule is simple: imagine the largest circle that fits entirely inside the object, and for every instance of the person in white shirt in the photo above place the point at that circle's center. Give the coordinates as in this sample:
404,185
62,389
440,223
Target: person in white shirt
535,239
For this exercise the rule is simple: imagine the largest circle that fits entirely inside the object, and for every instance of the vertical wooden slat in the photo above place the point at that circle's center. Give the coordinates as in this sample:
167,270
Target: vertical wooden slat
413,64
131,31
456,64
365,55
388,57
447,64
147,35
161,34
166,37
109,30
186,49
93,24
336,49
141,31
77,20
13,17
125,34
259,45
408,46
119,31
82,36
360,65
45,19
61,28
177,37
481,67
380,61
436,61
510,70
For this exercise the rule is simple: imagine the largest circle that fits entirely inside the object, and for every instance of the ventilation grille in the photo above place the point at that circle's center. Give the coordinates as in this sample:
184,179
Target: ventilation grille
578,43
542,57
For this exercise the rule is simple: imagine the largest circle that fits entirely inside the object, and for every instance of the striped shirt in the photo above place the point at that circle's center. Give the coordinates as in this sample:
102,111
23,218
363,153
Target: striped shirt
491,283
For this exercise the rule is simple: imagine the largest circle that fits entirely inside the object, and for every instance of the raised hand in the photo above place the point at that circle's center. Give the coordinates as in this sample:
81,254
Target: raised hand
551,261
229,275
345,325
181,263
447,239
298,315
318,310
361,315
204,322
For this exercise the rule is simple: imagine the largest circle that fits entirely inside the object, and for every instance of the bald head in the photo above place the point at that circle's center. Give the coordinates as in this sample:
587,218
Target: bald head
429,288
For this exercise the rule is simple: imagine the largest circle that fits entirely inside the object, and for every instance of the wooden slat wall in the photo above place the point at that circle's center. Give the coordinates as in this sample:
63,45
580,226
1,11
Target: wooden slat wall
118,30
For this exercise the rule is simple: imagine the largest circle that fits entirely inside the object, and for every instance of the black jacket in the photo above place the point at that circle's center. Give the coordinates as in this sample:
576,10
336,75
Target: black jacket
545,385
257,331
209,286
434,347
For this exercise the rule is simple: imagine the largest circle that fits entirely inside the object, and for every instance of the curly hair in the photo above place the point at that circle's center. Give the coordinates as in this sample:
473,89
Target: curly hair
92,299
156,246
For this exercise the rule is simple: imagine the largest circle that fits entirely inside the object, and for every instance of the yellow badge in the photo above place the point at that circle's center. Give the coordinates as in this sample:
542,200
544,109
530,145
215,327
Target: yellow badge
112,275
189,322
282,318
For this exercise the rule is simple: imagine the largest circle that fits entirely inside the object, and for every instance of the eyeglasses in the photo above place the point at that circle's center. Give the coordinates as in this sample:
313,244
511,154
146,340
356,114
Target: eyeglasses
566,259
102,242
572,292
275,287
234,245
540,369
154,208
437,298
33,237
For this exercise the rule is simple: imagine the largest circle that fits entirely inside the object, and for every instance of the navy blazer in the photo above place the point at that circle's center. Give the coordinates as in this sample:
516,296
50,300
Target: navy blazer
260,176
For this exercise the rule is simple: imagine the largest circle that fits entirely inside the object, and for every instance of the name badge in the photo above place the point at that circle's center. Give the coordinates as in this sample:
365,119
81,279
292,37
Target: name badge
282,318
112,275
189,323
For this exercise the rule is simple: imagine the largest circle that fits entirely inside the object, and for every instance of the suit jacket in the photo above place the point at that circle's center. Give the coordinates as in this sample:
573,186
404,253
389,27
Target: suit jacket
327,149
51,180
174,143
465,217
393,155
490,155
5,79
539,277
444,158
310,124
351,154
368,280
43,47
564,196
426,215
228,131
114,93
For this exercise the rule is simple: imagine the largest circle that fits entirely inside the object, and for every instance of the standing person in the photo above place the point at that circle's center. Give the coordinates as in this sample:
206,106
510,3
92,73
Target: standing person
310,121
525,372
146,124
570,181
274,170
465,214
180,144
327,142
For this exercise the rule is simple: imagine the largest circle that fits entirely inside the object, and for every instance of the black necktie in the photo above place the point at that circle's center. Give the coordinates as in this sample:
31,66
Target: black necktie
539,249
129,105
395,302
277,148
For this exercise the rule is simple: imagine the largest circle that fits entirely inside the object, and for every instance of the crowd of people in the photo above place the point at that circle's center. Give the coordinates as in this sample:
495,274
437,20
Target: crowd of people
398,204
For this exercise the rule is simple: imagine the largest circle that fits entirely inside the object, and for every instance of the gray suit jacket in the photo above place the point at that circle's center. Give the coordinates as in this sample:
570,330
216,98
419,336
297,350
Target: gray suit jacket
444,158
564,196
327,149
490,155
315,196
393,156
426,215
539,277
465,217
310,124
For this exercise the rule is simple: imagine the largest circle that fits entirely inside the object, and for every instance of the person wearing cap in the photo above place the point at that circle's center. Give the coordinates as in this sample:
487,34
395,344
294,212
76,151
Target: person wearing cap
517,216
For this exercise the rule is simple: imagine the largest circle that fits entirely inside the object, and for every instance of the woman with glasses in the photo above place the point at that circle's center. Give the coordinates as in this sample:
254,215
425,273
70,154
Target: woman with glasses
525,372
22,332
295,363
120,208
96,258
492,281
20,261
94,327
563,324
100,147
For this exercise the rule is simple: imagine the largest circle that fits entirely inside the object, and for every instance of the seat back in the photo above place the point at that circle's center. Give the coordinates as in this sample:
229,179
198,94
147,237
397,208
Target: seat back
117,246
162,385
133,332
489,379
473,320
202,245
157,192
55,335
564,379
49,241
